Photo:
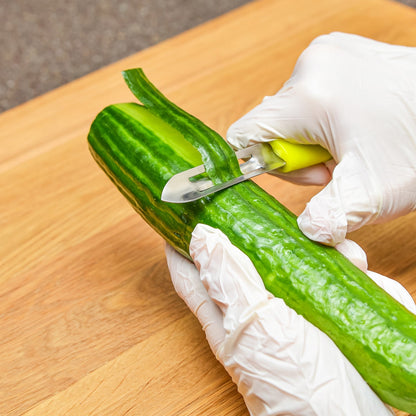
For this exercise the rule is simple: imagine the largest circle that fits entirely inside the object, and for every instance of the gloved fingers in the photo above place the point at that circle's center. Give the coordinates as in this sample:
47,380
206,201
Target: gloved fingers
353,252
288,115
281,363
314,175
188,285
228,275
394,289
350,200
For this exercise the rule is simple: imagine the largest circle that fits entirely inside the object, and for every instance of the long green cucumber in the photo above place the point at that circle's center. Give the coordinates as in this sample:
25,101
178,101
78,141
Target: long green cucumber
140,147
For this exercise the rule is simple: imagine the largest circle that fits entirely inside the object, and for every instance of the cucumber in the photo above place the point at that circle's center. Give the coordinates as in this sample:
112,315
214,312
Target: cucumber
141,146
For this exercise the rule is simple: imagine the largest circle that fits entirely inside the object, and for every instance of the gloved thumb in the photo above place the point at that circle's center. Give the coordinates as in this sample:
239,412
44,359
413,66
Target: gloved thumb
228,275
349,201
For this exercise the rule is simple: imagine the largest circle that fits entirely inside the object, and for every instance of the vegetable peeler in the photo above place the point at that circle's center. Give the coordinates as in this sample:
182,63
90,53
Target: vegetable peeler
279,154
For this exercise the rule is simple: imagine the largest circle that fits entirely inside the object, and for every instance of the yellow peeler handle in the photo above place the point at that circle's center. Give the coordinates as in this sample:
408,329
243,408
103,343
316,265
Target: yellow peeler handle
298,156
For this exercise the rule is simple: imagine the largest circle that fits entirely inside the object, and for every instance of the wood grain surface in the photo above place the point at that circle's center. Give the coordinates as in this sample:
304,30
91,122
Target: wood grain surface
89,321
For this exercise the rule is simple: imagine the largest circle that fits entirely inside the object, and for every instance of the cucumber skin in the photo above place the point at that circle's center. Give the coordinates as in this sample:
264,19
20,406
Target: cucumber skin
375,332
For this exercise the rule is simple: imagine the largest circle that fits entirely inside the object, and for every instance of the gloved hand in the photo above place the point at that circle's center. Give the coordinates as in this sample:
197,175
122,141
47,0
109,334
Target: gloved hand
357,98
282,364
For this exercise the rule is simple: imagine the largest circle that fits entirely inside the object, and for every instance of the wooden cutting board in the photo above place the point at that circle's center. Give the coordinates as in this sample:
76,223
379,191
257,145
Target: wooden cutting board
89,322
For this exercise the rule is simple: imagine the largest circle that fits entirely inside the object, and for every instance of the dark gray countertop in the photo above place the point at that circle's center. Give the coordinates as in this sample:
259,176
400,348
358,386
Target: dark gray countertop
48,43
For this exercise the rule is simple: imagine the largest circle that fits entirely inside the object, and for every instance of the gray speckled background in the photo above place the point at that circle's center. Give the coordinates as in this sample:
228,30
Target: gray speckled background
46,43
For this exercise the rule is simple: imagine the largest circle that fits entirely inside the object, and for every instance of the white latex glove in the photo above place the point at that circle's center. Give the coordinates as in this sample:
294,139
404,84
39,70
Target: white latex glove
357,98
282,364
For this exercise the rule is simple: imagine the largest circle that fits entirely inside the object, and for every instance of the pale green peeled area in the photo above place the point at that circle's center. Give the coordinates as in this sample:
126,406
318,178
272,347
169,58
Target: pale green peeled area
164,131
139,151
